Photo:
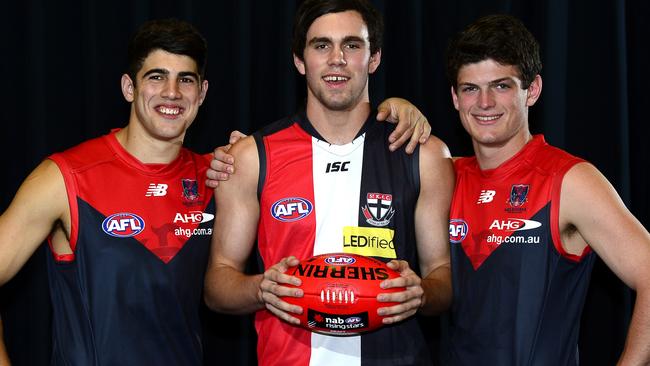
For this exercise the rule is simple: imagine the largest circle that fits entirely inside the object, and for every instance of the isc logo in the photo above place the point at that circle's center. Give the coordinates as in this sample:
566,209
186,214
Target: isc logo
193,217
457,230
291,209
123,225
337,166
514,224
340,260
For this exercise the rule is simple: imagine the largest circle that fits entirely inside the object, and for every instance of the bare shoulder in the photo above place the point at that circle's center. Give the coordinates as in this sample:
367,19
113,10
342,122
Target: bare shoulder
45,183
244,149
435,147
590,205
584,183
591,211
246,165
40,202
436,167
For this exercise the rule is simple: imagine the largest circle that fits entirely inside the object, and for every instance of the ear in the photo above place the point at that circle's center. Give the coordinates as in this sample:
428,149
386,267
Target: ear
203,92
534,91
375,60
300,64
454,97
127,88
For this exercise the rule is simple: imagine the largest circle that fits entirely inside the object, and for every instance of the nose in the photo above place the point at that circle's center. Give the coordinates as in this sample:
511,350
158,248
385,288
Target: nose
171,89
337,57
486,99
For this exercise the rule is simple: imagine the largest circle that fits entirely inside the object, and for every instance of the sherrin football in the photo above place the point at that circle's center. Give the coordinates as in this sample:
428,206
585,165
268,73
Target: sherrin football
340,293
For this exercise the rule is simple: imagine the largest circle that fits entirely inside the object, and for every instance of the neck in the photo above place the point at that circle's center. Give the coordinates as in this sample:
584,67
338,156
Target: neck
490,156
337,127
146,148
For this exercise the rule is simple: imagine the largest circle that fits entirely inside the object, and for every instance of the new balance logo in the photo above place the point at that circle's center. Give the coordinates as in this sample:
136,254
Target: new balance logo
486,196
156,190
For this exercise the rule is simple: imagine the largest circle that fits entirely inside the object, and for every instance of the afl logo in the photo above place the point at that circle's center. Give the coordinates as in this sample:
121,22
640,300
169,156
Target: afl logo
340,260
123,225
457,230
353,320
291,209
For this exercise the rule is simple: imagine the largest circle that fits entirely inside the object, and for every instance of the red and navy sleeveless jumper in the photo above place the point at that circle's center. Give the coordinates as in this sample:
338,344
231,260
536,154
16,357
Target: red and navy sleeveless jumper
518,295
140,234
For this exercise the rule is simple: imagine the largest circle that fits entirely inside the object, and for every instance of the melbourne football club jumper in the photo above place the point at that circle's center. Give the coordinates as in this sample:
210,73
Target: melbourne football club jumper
319,198
140,234
518,295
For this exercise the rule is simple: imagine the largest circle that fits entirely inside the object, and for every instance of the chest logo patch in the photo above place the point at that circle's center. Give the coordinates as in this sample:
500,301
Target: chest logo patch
123,225
190,189
378,209
291,209
486,196
518,195
157,190
369,241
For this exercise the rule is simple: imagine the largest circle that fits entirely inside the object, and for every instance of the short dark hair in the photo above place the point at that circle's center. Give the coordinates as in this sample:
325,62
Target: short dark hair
502,38
171,35
310,10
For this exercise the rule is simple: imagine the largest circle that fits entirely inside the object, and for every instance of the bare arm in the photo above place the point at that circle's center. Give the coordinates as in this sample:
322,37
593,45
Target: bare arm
592,212
227,288
40,202
437,180
432,293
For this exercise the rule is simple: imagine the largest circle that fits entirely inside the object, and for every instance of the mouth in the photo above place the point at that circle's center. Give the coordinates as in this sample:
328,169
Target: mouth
487,119
335,80
168,111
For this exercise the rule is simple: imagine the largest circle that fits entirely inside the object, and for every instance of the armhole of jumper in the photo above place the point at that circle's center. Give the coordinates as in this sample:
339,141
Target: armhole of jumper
416,170
555,214
71,192
261,153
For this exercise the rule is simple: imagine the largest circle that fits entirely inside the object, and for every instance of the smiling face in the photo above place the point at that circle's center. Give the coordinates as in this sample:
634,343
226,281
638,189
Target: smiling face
337,60
492,105
166,97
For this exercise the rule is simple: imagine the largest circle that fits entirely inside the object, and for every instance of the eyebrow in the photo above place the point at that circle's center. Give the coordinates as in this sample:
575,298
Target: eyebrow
319,40
166,72
156,71
493,82
498,81
329,40
189,73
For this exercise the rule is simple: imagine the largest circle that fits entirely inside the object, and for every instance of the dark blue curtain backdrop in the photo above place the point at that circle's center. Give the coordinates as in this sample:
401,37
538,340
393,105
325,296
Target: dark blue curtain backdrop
62,62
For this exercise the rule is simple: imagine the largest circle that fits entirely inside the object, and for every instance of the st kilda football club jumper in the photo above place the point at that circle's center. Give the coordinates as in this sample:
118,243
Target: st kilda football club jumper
319,198
130,292
518,295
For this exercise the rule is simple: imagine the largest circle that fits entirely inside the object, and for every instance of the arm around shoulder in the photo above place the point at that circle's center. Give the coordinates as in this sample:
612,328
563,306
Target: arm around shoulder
40,202
437,181
227,288
592,212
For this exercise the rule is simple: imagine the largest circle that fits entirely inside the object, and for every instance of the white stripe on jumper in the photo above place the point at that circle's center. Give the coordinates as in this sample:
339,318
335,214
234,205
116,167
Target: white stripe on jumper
336,196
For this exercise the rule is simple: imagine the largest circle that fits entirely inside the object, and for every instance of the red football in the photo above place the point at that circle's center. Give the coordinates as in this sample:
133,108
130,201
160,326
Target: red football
340,293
